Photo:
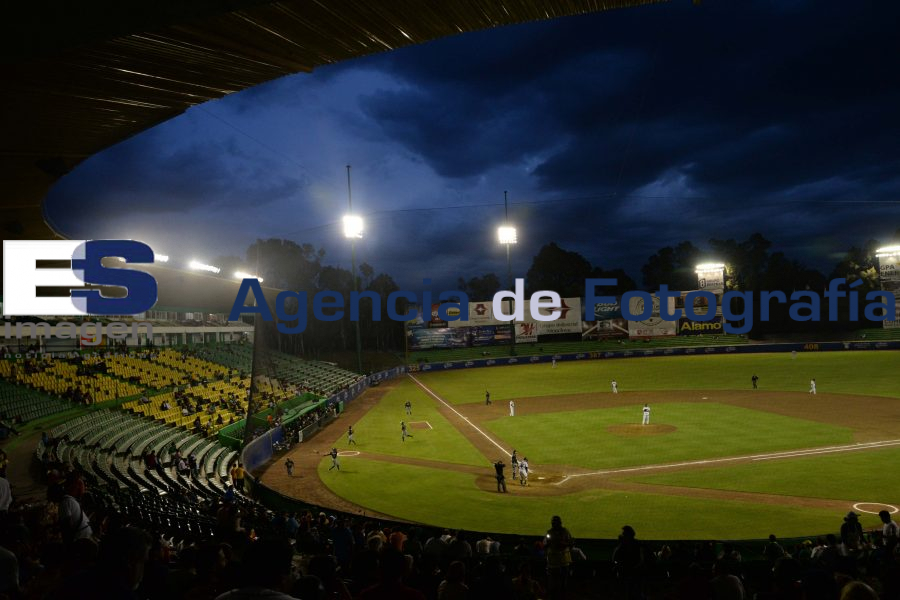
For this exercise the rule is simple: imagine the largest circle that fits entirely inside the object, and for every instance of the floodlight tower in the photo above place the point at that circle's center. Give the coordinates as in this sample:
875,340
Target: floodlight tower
506,235
353,230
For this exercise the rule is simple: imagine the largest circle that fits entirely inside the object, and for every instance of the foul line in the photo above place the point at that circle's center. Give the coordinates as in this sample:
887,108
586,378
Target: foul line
459,414
752,457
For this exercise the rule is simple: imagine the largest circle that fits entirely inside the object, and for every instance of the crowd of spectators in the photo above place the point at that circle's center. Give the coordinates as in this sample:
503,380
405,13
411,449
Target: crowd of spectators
81,544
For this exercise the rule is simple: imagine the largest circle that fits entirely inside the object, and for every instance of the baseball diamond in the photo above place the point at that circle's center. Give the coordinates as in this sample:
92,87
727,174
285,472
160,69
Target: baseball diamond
733,458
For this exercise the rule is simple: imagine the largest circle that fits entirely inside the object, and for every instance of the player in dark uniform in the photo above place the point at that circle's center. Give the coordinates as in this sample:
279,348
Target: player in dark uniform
403,433
501,479
515,464
408,407
754,379
487,398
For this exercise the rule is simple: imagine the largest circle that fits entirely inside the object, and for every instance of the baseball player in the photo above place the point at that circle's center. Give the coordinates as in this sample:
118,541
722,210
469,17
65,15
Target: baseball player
334,460
615,386
646,420
755,381
289,465
403,433
812,387
515,463
487,398
408,407
554,362
523,471
350,439
512,408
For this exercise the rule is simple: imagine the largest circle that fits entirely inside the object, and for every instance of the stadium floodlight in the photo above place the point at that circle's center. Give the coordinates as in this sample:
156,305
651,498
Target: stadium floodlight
161,258
242,275
709,267
888,251
199,266
353,226
506,234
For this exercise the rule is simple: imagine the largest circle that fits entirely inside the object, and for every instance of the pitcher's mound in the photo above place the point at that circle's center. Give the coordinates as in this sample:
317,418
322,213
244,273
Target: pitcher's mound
638,429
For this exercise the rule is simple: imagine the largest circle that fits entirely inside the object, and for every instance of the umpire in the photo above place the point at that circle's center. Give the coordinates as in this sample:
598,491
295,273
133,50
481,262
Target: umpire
501,479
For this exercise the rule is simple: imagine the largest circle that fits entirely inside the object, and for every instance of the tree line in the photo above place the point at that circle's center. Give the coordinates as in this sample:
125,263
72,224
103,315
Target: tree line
750,266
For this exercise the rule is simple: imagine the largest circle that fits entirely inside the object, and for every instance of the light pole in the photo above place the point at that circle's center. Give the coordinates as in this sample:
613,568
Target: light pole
353,230
506,234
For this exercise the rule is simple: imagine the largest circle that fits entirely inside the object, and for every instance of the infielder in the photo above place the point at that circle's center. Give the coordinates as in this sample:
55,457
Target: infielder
515,463
334,460
523,471
512,408
289,466
646,420
812,387
403,432
408,407
615,386
350,439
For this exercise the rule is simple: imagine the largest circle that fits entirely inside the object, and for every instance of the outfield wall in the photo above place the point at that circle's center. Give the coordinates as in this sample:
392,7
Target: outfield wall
689,351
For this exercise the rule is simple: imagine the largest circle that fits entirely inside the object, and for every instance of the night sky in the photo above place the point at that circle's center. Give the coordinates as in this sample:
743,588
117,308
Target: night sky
616,134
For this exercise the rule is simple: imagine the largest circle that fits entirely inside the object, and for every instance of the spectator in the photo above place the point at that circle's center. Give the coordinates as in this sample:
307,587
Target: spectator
628,562
72,522
524,586
773,550
266,570
558,542
851,533
390,586
453,587
890,532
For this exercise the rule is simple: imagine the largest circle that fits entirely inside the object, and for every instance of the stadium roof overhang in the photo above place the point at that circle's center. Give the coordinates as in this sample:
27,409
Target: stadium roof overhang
80,77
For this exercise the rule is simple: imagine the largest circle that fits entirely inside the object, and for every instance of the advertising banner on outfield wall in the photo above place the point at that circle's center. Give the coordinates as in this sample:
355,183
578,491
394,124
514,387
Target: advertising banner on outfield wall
480,313
426,338
690,327
526,333
889,273
701,305
569,321
652,327
605,329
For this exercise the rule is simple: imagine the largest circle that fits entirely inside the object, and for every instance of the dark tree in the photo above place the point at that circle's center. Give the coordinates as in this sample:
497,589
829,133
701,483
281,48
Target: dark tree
558,270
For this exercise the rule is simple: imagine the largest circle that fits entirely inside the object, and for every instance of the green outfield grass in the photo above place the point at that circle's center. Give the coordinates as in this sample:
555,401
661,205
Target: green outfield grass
379,430
450,499
867,476
704,430
870,373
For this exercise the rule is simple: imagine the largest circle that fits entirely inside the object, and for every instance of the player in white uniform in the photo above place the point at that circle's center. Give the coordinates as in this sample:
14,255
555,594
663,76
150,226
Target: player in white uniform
812,387
554,362
615,386
523,471
512,408
646,420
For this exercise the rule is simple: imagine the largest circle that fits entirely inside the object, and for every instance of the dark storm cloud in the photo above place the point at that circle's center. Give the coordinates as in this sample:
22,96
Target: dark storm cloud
616,134
161,177
750,99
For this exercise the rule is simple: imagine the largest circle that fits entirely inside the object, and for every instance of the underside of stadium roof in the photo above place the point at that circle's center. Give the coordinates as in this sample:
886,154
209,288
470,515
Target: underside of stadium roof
80,77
